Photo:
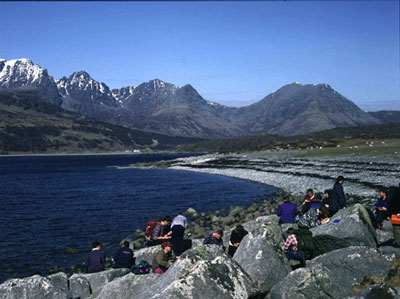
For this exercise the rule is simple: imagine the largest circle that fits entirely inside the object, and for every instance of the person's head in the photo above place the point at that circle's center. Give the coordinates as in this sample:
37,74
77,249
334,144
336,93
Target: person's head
326,193
167,246
339,179
180,214
96,244
286,199
218,234
239,229
126,244
290,231
382,192
310,192
166,220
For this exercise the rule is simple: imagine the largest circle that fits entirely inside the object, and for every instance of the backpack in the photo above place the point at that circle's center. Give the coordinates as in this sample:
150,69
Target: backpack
142,268
305,241
149,229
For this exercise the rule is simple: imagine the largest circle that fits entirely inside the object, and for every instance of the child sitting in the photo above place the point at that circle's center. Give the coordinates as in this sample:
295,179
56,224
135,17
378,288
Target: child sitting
290,248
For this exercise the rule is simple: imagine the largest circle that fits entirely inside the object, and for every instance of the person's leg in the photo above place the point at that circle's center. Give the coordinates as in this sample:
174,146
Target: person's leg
231,250
178,244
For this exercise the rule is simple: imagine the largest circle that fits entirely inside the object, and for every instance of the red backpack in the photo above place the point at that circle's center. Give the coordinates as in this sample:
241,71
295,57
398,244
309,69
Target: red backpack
149,229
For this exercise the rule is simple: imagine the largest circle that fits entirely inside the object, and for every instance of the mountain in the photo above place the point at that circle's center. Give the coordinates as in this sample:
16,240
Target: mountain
162,107
23,72
387,116
298,109
83,94
30,124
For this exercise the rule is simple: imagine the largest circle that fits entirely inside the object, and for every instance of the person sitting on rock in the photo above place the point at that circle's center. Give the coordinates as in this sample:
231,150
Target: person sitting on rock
338,199
215,238
287,212
381,208
237,236
308,199
394,211
95,261
163,259
157,235
323,214
123,257
318,203
327,196
290,248
178,227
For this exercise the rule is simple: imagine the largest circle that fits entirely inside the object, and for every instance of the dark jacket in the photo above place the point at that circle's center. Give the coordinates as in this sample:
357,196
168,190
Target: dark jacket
237,237
210,239
337,200
382,202
124,257
95,261
288,212
394,202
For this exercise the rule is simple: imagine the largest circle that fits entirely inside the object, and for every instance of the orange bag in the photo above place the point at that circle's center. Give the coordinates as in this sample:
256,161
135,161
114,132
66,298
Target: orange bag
395,220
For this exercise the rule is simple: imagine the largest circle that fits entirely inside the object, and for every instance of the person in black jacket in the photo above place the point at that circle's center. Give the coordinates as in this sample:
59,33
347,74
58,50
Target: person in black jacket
95,259
123,257
236,237
338,199
394,209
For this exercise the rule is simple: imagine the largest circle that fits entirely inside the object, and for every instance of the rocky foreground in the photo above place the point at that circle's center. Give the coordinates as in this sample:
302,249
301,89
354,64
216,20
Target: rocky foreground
354,265
356,262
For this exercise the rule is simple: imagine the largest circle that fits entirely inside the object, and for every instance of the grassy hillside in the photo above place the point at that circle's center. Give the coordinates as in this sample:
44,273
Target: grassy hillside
29,124
334,138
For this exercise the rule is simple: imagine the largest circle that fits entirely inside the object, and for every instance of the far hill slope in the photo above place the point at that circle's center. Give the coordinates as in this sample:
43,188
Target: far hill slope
29,124
327,138
387,117
298,109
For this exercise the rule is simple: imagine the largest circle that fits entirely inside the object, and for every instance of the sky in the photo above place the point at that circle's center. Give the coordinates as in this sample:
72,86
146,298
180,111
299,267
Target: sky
232,53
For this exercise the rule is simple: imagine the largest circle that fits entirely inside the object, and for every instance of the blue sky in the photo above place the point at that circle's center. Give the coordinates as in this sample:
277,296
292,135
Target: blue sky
233,53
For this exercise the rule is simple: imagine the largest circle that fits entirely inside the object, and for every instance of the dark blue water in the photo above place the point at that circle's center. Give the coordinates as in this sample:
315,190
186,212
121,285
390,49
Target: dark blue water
50,203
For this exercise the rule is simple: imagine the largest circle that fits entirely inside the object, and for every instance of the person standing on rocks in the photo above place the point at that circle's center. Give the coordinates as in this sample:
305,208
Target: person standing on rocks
178,227
338,199
287,212
215,238
123,257
95,261
163,259
237,236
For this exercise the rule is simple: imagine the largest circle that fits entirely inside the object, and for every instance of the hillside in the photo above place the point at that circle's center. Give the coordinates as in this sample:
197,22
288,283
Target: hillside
30,124
326,138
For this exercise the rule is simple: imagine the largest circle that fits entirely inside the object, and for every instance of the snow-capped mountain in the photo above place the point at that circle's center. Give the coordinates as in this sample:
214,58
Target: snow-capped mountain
83,94
24,73
165,108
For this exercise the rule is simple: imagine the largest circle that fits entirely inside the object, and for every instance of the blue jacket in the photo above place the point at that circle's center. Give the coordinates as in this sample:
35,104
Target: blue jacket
382,202
288,212
210,239
124,257
95,261
337,200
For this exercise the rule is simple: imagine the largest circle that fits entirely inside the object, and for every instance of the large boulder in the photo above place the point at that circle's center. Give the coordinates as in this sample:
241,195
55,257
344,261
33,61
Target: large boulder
378,291
81,284
384,234
128,286
32,287
260,254
202,272
336,274
349,227
146,254
60,280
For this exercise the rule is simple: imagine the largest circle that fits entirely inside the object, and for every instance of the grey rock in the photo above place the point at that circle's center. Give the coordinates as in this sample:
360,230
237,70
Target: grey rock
127,286
60,280
202,272
260,254
190,211
381,291
354,228
390,252
269,219
95,281
214,218
31,288
79,286
333,275
146,254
